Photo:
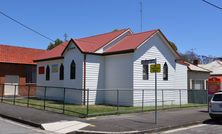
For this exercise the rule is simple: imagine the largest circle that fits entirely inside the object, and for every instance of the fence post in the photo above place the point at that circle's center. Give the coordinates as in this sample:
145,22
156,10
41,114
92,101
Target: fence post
3,86
117,100
14,95
162,100
28,95
207,99
180,97
206,95
87,103
64,97
142,100
44,97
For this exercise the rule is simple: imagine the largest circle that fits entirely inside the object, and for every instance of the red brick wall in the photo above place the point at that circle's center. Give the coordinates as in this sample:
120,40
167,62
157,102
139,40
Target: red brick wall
16,69
23,90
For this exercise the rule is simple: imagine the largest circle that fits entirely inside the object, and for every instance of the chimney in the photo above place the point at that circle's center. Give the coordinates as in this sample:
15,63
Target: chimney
196,62
181,61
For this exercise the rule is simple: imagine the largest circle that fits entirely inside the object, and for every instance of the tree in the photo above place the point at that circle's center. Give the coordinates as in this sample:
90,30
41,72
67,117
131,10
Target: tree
114,30
190,56
173,45
56,43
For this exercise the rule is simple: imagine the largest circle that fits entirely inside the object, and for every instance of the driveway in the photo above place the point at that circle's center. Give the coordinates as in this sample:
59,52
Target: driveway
10,127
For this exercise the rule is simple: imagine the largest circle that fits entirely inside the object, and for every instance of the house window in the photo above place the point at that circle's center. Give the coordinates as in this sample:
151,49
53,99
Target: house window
41,70
61,72
145,72
47,76
165,71
198,84
73,70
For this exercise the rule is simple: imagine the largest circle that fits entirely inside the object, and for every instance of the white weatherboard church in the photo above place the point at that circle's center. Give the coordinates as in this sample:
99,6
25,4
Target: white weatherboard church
112,61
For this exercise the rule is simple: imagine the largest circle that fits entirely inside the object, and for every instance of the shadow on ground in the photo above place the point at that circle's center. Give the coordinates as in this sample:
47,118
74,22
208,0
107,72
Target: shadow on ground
203,111
212,122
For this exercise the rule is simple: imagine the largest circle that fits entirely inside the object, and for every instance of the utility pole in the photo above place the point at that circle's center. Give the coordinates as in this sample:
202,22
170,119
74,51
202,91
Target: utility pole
141,15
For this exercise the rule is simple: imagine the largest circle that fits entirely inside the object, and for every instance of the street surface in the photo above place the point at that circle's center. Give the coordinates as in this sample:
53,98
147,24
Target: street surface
209,127
10,127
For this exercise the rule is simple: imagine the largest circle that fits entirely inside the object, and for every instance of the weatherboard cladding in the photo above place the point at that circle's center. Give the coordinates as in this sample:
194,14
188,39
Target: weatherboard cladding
155,47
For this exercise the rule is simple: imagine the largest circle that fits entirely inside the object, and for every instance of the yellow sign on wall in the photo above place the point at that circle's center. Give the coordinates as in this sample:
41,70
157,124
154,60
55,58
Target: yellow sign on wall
55,68
155,68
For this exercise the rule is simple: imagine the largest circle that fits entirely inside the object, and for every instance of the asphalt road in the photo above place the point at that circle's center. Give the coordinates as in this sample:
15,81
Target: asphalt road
208,127
10,127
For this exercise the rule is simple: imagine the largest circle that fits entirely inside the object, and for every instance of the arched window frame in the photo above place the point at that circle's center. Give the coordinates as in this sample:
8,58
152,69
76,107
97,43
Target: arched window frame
165,71
61,72
73,70
47,74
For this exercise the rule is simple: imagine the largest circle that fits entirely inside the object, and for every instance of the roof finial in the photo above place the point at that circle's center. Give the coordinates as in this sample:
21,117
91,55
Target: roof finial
65,37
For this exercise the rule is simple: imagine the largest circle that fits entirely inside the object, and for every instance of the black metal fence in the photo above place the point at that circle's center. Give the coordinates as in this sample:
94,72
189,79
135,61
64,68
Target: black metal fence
83,103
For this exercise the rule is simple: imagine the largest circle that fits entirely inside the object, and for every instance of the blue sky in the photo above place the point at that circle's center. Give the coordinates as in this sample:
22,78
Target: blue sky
190,24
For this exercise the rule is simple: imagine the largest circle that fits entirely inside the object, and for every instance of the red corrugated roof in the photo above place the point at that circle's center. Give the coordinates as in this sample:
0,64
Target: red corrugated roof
93,43
53,53
87,45
131,42
18,55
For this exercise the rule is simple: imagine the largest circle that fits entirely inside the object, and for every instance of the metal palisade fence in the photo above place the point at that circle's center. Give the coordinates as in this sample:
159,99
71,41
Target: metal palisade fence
94,102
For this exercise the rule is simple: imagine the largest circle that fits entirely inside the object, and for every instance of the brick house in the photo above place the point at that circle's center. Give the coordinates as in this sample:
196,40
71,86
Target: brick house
17,68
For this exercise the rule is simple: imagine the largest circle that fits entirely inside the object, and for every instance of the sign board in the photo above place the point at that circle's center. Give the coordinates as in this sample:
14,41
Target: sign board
214,85
155,68
55,68
146,62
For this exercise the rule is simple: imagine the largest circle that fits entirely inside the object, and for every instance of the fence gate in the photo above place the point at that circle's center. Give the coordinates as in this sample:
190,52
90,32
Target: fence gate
197,96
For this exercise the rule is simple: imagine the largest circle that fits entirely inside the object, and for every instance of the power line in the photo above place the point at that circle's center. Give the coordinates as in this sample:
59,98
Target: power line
31,29
216,6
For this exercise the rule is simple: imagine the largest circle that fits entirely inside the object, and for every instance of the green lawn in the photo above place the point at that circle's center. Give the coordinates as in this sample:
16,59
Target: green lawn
93,110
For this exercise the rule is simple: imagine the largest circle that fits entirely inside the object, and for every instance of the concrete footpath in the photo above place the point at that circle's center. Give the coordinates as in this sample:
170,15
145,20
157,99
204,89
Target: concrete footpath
54,122
144,122
125,123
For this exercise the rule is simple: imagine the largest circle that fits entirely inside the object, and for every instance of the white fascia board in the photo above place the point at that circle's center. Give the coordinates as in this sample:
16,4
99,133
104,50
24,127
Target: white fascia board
101,49
168,45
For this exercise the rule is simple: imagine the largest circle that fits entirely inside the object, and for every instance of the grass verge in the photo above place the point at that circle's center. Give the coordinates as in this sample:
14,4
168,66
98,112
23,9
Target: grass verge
93,110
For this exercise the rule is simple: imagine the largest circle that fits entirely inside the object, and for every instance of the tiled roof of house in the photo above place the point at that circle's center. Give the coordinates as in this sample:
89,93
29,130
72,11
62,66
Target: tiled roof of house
193,67
18,55
215,67
91,44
